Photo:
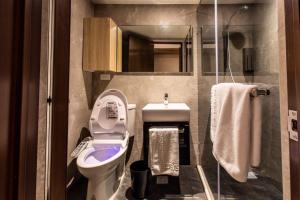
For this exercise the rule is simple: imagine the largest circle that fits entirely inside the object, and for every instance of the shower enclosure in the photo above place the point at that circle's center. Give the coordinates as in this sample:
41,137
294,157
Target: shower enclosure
239,43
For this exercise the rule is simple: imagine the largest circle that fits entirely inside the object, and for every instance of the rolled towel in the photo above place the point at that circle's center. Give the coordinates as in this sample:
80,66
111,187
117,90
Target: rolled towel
256,131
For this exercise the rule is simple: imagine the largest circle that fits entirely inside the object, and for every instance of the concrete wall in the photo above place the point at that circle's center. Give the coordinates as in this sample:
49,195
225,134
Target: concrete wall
80,82
267,61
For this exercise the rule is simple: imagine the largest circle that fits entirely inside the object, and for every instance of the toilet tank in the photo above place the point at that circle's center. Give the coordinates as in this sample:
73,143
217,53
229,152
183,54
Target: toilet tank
131,119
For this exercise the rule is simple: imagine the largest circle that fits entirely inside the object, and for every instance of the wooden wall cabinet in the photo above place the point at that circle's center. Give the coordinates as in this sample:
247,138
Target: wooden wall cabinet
102,45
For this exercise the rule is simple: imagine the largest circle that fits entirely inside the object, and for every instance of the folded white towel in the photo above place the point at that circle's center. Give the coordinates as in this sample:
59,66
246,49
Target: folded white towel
235,128
164,151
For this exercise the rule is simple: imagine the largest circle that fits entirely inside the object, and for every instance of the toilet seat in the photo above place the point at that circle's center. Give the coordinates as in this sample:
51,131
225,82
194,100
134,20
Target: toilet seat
100,155
103,127
103,151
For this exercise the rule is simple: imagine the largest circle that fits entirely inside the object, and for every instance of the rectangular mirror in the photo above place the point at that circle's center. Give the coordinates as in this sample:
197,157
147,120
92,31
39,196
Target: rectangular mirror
157,48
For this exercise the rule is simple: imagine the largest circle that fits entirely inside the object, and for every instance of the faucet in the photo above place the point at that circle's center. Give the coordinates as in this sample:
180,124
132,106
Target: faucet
166,101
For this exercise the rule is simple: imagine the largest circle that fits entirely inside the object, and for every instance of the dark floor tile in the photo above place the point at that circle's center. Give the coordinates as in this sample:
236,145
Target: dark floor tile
78,189
189,187
263,188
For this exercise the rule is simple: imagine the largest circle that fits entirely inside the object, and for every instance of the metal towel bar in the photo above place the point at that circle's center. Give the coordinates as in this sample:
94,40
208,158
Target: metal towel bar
260,92
180,130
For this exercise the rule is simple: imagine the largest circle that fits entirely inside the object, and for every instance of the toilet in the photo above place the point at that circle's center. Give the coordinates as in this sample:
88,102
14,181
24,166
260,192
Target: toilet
103,161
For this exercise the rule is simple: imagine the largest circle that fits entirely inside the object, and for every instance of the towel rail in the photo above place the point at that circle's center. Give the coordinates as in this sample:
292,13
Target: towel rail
180,130
260,92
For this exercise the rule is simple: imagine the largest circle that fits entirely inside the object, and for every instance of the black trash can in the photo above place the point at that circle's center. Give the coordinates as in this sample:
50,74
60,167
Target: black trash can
140,179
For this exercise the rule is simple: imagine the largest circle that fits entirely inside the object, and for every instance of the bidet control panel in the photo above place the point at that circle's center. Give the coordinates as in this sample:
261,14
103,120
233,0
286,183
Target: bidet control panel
82,146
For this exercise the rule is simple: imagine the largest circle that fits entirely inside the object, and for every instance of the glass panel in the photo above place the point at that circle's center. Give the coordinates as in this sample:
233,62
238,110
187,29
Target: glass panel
247,53
240,49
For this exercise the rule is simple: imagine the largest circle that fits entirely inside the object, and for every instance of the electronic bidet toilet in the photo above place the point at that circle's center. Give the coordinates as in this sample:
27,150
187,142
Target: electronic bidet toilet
102,162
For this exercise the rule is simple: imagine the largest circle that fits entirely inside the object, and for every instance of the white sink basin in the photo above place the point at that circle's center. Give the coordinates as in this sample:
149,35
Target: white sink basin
159,112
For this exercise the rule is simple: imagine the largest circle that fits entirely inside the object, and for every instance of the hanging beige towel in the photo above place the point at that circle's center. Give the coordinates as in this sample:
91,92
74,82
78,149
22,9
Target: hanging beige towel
235,128
164,151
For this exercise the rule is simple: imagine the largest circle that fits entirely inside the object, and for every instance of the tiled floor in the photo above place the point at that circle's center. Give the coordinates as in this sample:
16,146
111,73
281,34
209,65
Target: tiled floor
262,188
190,187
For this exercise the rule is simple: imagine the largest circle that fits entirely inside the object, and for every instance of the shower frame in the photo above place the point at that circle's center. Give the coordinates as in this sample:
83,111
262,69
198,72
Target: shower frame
58,100
292,22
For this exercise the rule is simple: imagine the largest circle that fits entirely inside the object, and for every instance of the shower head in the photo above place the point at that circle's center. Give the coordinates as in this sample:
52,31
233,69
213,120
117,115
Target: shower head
241,8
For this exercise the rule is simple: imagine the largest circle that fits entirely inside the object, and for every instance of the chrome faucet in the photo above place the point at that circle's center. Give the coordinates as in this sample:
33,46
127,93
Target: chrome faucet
166,101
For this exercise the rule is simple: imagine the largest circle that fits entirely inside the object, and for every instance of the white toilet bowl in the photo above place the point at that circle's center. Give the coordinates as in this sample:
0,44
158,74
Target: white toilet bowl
103,161
103,165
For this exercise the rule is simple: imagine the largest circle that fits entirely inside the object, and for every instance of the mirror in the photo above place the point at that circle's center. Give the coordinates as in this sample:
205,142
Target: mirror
157,48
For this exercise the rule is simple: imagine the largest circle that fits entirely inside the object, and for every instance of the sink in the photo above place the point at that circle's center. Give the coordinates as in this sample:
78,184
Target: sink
172,112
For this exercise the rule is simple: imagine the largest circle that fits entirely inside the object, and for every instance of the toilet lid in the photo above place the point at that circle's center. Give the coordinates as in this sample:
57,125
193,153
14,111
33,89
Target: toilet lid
109,116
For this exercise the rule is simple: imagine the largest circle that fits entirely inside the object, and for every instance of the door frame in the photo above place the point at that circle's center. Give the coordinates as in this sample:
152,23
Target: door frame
61,95
60,100
20,37
293,71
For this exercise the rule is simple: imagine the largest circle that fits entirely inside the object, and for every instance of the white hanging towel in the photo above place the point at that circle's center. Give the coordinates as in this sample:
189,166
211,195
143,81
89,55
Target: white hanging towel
164,151
236,128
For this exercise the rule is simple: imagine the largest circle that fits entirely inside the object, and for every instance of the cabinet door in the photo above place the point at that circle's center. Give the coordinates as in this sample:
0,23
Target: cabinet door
100,39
